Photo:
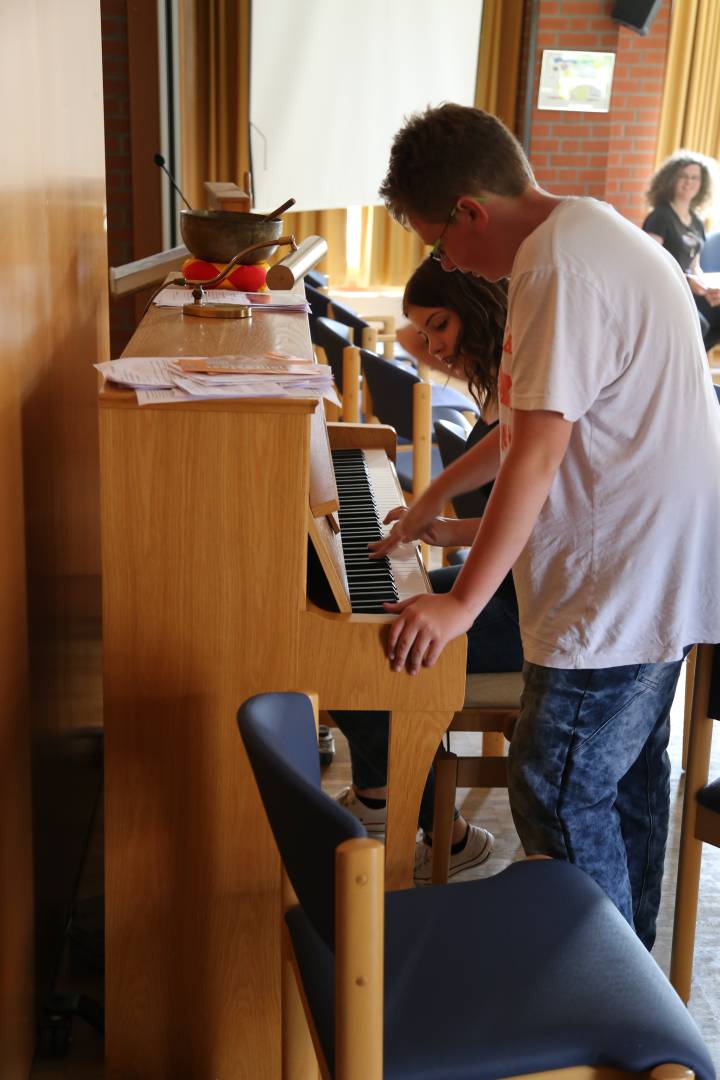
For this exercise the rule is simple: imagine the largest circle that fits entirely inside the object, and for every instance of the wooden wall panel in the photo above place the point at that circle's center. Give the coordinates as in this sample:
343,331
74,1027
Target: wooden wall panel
52,327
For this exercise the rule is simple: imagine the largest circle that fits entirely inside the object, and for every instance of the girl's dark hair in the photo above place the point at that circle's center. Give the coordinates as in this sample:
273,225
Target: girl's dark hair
482,308
663,181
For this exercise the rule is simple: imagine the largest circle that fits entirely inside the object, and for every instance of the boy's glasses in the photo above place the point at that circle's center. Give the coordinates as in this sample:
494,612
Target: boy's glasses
438,251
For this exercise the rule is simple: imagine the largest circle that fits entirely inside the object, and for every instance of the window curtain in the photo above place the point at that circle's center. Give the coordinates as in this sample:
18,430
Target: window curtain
214,59
389,253
690,114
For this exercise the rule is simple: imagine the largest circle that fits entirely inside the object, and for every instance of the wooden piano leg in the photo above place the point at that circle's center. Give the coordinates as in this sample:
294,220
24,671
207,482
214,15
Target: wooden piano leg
414,738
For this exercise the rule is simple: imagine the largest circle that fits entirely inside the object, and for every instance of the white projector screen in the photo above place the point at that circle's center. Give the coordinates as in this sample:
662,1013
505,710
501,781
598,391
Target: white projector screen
332,80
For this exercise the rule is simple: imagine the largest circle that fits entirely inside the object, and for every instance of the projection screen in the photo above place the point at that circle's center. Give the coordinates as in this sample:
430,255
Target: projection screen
332,80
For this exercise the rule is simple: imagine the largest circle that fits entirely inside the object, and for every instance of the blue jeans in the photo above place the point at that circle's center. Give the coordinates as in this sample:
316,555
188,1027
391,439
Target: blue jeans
589,777
493,645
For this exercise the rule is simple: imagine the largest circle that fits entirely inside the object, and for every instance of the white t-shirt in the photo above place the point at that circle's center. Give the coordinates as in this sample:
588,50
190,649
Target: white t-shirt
623,564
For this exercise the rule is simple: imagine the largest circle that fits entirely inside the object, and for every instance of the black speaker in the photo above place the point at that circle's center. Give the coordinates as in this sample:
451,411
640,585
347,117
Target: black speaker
637,14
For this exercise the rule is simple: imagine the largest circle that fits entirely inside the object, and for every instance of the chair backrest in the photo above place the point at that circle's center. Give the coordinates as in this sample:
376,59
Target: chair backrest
316,279
452,444
391,388
710,254
334,337
318,301
342,313
279,734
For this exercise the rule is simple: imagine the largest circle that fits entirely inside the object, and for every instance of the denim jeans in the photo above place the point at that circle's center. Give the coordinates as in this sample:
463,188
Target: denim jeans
589,777
493,645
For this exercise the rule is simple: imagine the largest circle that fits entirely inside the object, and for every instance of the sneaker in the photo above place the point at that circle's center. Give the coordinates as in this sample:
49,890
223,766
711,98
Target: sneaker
476,851
373,820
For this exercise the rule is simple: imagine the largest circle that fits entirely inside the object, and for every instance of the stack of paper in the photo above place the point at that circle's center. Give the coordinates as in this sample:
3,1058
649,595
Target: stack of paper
161,379
269,301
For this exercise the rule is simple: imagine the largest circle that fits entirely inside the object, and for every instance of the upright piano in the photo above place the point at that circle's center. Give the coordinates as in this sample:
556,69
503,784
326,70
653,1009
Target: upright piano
215,516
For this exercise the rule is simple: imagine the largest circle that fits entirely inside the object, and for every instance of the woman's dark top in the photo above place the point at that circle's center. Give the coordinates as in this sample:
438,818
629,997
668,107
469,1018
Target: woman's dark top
683,241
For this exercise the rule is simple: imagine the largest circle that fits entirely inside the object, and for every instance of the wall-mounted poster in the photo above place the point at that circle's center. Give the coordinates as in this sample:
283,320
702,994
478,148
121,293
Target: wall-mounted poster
578,81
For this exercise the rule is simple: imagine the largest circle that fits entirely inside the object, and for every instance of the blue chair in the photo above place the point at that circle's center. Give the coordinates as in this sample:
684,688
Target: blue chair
401,399
316,279
333,338
710,254
384,986
453,442
701,814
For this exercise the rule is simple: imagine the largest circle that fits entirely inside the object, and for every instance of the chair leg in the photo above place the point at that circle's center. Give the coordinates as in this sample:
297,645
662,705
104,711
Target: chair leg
688,878
443,813
689,681
493,744
298,1054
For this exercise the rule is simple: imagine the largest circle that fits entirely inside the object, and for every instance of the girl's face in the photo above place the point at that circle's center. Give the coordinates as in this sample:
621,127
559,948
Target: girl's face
687,182
440,328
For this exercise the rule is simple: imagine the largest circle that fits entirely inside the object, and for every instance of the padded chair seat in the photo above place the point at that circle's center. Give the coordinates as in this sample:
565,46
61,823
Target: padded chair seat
459,557
497,690
468,1030
447,397
709,796
404,467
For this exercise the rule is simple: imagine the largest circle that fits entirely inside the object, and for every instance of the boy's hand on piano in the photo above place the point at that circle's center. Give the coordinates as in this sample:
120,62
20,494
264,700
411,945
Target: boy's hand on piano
424,626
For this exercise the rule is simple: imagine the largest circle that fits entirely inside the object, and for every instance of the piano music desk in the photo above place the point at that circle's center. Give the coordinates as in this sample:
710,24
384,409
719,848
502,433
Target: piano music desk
204,533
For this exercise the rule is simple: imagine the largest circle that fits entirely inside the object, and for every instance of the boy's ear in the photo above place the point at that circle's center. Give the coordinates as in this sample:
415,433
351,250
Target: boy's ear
475,207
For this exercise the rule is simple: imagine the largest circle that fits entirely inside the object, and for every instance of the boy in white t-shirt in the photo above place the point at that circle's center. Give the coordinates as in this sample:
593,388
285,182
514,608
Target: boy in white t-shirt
609,429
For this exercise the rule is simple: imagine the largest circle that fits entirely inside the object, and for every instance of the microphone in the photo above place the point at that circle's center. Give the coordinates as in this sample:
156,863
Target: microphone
160,162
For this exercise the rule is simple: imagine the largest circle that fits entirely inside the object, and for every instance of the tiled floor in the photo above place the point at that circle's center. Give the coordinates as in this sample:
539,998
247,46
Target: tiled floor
490,808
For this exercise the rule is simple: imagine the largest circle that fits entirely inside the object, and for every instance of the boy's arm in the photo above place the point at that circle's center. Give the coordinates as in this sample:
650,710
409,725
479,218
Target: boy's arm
425,624
472,470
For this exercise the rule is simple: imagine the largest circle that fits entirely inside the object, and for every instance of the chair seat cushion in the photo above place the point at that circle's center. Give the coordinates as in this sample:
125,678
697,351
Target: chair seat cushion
709,796
449,398
497,690
565,982
404,467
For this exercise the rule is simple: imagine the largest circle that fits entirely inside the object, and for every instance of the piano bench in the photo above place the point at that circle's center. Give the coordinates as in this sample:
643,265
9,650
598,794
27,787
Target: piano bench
492,704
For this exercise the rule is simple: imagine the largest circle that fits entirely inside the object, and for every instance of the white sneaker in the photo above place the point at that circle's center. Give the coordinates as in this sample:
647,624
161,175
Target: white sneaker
476,851
373,820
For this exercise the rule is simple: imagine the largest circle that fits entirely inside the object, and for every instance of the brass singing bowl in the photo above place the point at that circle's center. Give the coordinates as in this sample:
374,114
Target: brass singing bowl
217,235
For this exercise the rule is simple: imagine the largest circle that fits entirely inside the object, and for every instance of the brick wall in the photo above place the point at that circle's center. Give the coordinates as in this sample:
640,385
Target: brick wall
116,95
608,155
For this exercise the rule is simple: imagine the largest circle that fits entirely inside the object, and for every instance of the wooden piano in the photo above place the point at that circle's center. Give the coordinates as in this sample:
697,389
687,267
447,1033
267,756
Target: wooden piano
206,513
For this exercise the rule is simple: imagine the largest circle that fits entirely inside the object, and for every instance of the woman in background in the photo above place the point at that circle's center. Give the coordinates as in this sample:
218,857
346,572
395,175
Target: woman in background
461,321
680,187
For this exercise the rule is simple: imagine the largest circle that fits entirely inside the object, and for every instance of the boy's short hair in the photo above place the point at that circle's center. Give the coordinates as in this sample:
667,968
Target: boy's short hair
449,151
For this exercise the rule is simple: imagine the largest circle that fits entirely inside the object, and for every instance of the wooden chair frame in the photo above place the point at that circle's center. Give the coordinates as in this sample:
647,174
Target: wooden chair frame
699,825
489,769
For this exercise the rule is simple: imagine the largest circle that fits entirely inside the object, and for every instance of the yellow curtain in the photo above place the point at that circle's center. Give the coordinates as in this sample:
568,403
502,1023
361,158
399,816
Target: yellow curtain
214,39
690,114
214,61
498,69
389,253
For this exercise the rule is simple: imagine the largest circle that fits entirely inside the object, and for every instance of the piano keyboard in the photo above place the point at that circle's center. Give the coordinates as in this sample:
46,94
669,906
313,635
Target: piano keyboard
367,490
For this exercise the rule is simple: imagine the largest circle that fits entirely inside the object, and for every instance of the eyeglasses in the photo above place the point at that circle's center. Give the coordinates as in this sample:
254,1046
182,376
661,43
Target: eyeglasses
438,251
